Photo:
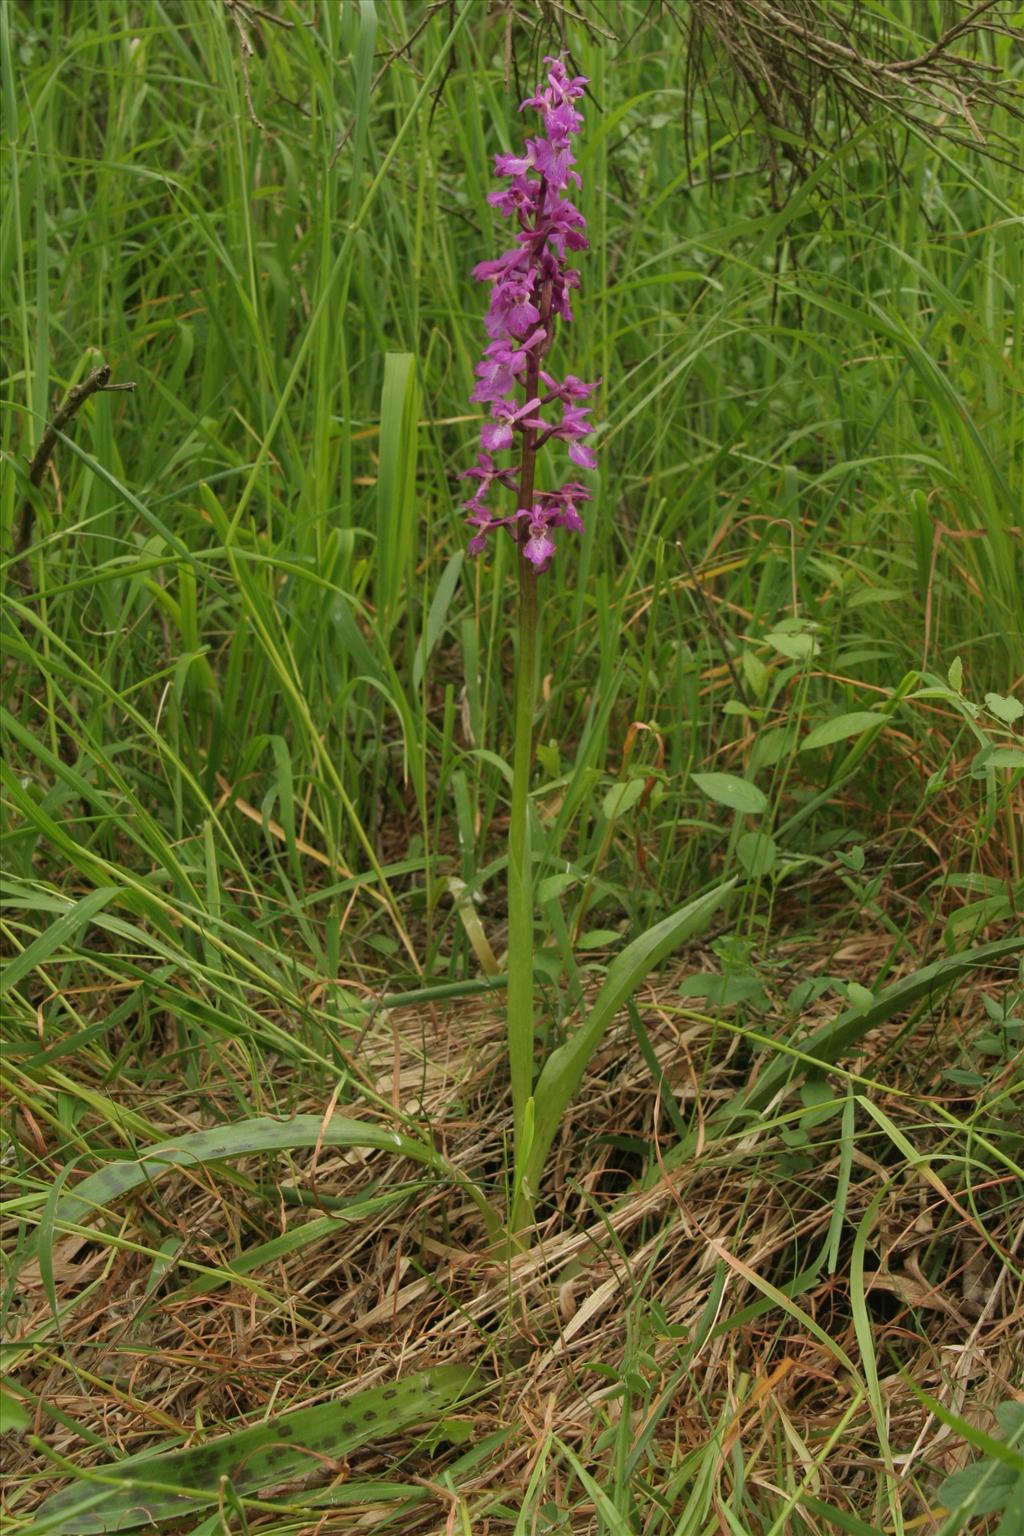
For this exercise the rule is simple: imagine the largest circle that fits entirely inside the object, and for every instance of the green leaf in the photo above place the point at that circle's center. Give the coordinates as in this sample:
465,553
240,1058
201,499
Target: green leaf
756,673
955,675
963,1078
562,1072
438,614
241,1139
549,757
819,1101
1009,710
995,1482
613,1521
757,853
772,746
869,595
1012,1522
854,859
860,997
1005,757
841,728
622,798
396,482
725,991
13,1413
837,1517
1010,1418
148,1489
599,938
554,886
729,789
796,647
833,1039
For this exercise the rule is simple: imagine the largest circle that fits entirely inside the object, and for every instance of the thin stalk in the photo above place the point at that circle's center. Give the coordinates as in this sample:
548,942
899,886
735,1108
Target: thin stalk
519,1016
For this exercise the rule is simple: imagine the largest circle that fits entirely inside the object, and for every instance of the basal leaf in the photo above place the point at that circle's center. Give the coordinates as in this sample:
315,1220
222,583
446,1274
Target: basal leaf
565,1067
240,1139
146,1489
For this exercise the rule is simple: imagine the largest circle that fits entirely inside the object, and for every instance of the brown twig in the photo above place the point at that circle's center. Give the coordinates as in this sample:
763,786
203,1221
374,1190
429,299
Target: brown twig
783,55
97,381
966,24
245,15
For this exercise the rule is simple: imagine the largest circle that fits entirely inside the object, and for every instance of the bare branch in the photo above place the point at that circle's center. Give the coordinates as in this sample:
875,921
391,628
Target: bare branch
98,381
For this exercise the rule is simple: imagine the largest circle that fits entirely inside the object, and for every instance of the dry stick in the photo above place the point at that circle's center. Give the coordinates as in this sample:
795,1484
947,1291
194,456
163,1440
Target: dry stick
394,54
244,15
950,36
73,401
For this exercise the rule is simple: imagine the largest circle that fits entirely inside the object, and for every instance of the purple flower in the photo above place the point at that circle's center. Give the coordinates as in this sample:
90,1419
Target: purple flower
481,518
498,432
570,388
559,507
552,509
501,365
539,547
509,200
485,470
585,457
531,287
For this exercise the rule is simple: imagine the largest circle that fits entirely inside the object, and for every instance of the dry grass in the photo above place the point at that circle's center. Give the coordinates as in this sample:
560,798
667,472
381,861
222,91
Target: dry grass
618,1279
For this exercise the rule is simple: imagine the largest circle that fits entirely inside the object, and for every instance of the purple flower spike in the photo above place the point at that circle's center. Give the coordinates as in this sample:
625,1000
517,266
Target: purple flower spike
531,287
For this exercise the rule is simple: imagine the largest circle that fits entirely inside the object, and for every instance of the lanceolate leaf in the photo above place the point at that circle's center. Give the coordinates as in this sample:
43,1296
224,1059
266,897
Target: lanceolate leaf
841,728
565,1066
147,1489
396,480
245,1137
835,1039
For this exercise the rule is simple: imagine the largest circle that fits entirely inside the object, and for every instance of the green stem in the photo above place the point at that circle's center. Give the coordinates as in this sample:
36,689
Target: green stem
519,1014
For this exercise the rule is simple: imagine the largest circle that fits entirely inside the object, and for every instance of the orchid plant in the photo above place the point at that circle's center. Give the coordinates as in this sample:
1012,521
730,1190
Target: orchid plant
531,289
528,407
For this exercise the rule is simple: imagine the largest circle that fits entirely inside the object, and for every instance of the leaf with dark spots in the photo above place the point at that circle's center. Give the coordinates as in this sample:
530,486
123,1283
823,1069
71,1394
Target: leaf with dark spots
151,1489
